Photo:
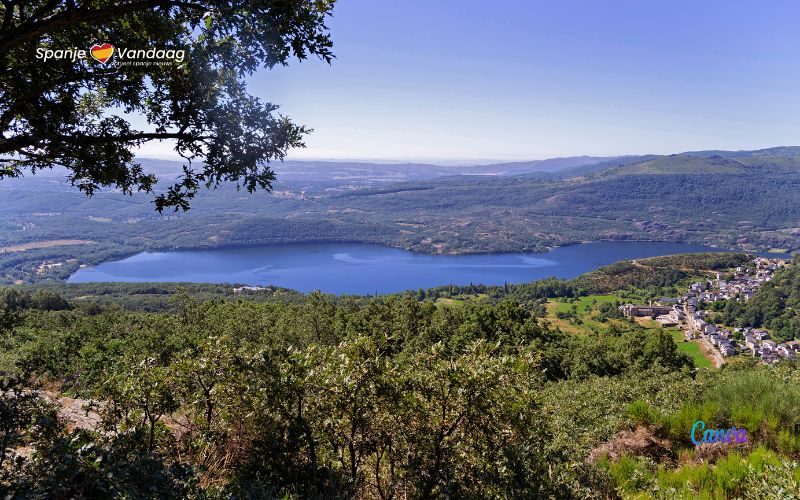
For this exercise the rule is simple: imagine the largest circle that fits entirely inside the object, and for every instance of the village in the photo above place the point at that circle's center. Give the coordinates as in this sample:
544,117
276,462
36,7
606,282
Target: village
689,314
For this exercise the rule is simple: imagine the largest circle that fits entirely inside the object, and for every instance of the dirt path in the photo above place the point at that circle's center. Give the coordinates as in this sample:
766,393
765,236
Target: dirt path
711,353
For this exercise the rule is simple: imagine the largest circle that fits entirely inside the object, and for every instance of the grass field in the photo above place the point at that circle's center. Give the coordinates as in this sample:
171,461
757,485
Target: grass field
449,302
460,299
584,303
583,309
692,349
43,244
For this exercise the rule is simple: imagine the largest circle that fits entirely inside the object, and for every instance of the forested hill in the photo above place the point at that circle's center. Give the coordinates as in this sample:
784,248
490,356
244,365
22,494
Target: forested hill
736,200
711,200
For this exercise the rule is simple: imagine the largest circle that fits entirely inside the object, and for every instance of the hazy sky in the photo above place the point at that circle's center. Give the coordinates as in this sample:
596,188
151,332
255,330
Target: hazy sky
459,79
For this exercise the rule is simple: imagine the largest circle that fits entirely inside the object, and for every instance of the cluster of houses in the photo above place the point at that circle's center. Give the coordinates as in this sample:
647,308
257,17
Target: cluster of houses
47,265
742,286
759,344
685,311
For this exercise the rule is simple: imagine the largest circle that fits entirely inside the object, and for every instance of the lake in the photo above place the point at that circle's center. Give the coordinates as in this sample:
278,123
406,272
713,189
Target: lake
354,268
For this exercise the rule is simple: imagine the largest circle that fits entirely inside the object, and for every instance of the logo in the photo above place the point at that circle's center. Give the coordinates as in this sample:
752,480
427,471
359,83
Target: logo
732,435
102,53
123,56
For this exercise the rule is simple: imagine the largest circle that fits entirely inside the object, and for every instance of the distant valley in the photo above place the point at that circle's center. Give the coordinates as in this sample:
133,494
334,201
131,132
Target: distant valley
744,200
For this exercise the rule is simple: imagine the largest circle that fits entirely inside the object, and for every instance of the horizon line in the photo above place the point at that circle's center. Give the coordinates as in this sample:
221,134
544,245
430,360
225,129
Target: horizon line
463,161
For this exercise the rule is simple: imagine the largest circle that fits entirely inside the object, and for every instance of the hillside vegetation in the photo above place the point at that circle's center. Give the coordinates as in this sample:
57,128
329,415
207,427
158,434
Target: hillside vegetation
371,397
684,164
657,273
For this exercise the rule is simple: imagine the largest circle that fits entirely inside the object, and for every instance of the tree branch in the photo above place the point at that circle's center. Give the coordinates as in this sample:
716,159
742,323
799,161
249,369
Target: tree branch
19,142
33,30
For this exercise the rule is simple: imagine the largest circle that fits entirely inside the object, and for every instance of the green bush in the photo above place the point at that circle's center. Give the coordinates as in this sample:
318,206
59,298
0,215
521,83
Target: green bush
642,413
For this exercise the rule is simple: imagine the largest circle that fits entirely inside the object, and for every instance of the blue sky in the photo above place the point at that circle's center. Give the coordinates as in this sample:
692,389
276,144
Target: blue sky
464,79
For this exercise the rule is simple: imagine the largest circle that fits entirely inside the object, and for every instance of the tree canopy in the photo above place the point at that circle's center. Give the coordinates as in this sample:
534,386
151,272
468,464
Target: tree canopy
74,111
320,396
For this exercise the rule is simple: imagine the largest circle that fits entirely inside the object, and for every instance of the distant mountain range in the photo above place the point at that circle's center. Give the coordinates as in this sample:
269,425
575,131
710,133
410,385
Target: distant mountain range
365,173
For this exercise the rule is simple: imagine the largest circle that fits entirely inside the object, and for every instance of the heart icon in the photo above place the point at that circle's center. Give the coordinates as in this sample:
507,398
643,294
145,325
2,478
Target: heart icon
102,53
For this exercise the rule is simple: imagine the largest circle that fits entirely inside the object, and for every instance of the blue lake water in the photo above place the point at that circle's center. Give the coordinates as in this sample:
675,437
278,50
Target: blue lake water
353,268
